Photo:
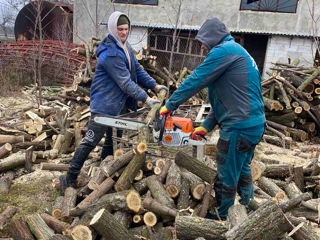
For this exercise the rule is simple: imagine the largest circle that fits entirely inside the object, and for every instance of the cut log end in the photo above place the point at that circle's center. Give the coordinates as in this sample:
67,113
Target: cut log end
157,170
81,232
56,213
133,201
139,175
118,153
142,147
136,218
150,219
198,191
172,190
97,216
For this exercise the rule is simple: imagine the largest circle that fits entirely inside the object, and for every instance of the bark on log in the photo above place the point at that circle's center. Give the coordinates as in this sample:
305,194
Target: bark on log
237,214
5,149
112,166
298,177
54,167
173,181
183,199
271,188
103,188
107,226
277,170
152,205
5,182
6,215
292,190
10,139
38,227
197,186
206,200
304,232
193,165
19,229
158,192
126,179
124,218
69,201
55,224
193,227
128,200
13,161
268,223
257,169
288,205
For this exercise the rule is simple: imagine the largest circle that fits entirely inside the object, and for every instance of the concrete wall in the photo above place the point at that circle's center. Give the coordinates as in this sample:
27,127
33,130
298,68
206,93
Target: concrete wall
193,14
280,48
138,38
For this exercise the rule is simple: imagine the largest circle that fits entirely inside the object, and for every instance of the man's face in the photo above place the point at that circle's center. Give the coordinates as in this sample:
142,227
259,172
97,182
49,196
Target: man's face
123,31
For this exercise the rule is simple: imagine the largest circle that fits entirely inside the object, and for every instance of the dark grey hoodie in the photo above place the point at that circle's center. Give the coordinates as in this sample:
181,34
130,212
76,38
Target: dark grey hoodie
212,32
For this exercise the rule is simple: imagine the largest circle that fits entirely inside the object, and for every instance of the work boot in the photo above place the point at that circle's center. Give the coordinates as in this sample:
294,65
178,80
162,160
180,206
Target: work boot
65,182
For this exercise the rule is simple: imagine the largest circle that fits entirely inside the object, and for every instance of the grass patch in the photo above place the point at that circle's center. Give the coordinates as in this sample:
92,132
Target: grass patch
29,198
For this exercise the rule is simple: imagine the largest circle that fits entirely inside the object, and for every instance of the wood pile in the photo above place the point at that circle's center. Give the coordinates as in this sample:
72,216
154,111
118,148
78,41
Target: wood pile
147,191
291,97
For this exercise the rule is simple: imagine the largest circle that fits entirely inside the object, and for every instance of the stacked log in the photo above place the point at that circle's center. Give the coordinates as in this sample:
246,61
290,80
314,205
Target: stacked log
291,100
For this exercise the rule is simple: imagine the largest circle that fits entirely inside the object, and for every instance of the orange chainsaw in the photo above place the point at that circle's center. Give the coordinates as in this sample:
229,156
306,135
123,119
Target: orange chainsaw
166,130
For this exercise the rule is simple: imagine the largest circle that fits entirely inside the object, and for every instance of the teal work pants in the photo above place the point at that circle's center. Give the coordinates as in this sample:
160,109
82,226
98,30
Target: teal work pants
235,152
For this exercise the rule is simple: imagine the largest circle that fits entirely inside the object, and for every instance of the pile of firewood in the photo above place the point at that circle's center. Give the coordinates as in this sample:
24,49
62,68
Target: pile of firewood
291,98
145,191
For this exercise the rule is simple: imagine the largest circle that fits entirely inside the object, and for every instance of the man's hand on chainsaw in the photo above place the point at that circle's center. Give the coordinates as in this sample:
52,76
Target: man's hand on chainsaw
158,88
151,102
199,133
165,111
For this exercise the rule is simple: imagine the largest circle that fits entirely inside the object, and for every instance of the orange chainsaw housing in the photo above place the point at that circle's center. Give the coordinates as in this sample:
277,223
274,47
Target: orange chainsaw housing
185,123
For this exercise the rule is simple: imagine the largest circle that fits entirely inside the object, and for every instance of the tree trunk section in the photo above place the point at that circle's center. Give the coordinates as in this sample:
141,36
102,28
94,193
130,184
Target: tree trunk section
103,188
237,214
266,223
112,166
193,165
13,161
158,192
6,148
107,226
173,181
69,201
126,179
38,227
6,215
19,230
152,205
188,227
55,224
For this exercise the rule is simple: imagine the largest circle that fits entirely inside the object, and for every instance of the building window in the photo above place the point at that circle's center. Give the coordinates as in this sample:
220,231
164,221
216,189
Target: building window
143,2
286,6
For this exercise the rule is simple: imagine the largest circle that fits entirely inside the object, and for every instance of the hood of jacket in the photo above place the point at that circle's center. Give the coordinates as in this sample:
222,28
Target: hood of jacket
212,32
112,26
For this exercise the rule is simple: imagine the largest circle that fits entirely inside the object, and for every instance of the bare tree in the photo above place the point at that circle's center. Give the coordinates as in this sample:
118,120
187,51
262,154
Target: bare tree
6,20
315,29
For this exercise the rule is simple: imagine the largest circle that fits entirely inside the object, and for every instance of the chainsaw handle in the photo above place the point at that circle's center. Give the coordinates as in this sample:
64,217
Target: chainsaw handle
163,123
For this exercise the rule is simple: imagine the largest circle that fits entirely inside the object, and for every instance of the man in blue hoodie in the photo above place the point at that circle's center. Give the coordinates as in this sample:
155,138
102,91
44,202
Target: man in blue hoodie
234,88
114,91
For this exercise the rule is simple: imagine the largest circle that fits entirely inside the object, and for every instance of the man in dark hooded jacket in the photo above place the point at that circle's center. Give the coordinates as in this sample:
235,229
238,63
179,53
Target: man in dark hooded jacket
234,88
114,91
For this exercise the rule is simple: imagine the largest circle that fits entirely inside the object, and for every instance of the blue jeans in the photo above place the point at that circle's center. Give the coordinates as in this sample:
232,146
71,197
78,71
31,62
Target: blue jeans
93,136
235,152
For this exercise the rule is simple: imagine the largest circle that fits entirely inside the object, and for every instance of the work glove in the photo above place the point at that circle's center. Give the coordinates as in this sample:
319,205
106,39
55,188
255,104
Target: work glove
198,132
151,102
158,88
165,111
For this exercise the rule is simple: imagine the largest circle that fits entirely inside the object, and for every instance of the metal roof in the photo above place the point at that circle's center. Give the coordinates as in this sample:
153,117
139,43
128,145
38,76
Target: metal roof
194,28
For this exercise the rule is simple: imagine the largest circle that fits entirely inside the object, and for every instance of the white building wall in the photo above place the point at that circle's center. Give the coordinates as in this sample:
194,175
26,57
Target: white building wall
138,38
279,48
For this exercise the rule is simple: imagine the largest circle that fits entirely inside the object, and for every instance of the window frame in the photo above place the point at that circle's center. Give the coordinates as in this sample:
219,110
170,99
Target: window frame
261,10
134,3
